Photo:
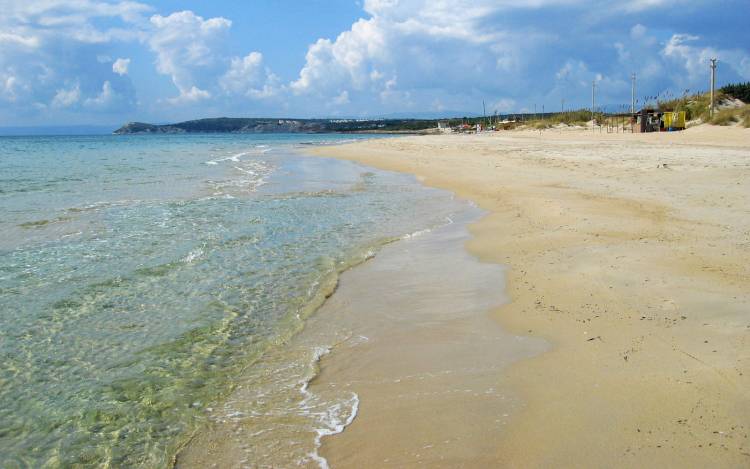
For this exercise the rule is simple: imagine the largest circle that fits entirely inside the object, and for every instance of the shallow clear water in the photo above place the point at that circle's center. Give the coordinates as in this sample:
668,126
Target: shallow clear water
142,276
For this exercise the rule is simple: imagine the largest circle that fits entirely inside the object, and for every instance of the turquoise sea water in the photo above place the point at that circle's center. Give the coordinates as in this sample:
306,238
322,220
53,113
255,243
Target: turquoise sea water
142,276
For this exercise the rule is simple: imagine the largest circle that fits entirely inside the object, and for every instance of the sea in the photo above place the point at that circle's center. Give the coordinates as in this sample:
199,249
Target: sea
144,279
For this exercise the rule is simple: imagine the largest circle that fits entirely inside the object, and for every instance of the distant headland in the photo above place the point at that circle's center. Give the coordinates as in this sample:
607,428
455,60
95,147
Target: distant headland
260,125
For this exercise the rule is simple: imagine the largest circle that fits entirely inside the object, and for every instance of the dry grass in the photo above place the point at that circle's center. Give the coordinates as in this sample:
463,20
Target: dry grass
732,116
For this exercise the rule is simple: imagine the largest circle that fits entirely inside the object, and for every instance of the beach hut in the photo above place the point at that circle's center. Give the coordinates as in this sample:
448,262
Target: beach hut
647,120
651,120
674,120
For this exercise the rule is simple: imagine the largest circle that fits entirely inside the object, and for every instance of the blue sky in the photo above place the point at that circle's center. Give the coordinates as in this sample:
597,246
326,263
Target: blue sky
107,62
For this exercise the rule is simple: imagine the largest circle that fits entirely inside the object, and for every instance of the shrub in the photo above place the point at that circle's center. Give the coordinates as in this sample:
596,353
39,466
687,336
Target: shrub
745,112
695,106
730,116
739,91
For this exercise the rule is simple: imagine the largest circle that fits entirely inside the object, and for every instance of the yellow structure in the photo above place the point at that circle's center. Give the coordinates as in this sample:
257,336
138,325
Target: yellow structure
674,120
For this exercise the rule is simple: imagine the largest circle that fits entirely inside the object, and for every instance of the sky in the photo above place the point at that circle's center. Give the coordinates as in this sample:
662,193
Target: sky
96,62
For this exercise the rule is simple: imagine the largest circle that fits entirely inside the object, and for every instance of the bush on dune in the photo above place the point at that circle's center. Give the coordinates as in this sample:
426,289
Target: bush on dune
739,91
695,106
732,116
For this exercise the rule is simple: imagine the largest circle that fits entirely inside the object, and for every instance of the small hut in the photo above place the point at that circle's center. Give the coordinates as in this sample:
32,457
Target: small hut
651,120
647,120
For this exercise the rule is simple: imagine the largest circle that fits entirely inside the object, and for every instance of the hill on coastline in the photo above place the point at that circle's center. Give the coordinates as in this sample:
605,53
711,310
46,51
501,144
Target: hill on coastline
259,125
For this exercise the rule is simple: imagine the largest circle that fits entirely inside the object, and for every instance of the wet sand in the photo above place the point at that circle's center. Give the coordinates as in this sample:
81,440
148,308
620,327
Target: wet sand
427,367
407,338
630,254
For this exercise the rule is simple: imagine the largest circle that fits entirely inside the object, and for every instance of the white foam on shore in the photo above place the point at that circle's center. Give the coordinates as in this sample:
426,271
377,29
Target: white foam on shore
193,255
237,156
416,233
254,173
331,424
334,429
448,221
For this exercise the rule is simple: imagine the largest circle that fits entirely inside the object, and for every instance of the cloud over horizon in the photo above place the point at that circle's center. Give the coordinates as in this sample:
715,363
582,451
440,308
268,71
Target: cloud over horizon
88,60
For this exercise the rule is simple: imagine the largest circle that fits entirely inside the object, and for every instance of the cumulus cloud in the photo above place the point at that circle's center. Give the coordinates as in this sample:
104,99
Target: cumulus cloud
10,87
103,99
108,99
46,43
462,51
406,50
247,76
184,45
342,98
120,66
31,42
66,97
684,50
192,95
190,49
79,20
386,48
66,56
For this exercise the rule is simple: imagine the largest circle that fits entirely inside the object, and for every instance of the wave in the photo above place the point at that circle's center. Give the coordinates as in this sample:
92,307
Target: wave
236,158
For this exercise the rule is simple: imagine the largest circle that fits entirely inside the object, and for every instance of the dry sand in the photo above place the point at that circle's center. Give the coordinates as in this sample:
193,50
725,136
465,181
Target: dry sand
629,254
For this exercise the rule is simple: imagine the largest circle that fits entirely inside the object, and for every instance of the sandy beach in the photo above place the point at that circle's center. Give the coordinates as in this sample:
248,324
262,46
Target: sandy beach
629,255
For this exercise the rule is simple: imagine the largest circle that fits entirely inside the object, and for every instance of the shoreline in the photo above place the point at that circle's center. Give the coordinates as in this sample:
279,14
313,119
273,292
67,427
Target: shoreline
268,418
628,254
427,358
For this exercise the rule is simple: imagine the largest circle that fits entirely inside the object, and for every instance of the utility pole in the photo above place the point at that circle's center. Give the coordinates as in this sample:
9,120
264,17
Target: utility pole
632,94
562,106
593,101
713,85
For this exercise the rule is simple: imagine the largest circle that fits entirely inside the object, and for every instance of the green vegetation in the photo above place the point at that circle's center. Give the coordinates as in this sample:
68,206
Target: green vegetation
739,91
732,115
695,106
579,117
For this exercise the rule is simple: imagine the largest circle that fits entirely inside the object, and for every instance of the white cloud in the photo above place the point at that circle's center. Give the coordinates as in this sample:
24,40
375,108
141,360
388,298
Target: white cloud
120,66
402,55
248,77
373,48
35,22
103,99
66,97
638,31
634,6
406,51
46,43
682,50
10,86
17,39
185,45
342,98
190,49
462,51
191,95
